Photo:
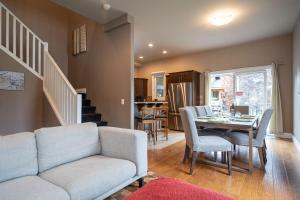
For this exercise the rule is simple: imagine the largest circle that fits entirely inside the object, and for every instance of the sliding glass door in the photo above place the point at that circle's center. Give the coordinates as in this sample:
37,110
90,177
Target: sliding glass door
251,87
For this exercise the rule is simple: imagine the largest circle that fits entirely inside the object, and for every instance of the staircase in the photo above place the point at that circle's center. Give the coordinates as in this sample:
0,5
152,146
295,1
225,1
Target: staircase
24,46
89,112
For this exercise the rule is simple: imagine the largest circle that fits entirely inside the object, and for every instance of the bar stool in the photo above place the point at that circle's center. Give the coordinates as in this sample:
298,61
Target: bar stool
147,117
161,118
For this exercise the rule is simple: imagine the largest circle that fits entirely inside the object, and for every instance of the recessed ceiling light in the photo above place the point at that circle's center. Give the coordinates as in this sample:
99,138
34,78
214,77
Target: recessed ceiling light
221,19
150,45
164,52
141,57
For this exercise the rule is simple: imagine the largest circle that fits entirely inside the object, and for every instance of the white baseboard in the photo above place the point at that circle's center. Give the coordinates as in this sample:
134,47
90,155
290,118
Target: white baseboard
282,135
296,142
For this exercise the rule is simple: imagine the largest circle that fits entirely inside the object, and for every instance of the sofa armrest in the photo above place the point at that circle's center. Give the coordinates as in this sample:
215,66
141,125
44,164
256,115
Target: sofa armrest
125,144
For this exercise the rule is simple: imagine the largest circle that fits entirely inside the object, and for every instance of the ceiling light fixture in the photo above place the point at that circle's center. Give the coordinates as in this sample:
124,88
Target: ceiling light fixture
150,45
141,57
106,6
221,19
164,52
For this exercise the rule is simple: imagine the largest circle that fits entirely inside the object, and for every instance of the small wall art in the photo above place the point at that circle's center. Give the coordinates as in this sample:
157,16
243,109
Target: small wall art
79,40
11,80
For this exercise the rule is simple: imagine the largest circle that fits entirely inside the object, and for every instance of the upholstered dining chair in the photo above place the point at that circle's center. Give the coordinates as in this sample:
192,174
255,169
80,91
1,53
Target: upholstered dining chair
208,110
196,144
242,139
200,111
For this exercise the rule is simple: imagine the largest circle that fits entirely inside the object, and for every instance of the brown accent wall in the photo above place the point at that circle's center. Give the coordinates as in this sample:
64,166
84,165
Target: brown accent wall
29,109
20,110
106,69
49,21
257,53
296,79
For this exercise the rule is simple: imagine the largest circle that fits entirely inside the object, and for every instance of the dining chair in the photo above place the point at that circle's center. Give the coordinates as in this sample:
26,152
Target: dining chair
147,120
196,143
242,139
161,118
244,110
208,110
200,111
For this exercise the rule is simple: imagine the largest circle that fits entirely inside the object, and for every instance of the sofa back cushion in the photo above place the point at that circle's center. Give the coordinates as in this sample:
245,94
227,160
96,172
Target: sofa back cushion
63,144
18,156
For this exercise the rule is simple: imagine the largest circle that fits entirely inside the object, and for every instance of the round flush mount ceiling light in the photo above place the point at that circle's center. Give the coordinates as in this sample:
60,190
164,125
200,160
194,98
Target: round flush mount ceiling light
164,52
150,45
106,6
222,18
141,57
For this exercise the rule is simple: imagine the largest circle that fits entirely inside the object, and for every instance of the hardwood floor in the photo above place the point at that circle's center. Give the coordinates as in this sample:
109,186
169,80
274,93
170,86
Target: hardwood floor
281,181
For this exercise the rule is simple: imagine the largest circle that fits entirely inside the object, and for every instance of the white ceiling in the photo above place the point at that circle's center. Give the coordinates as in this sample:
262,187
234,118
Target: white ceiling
181,26
91,9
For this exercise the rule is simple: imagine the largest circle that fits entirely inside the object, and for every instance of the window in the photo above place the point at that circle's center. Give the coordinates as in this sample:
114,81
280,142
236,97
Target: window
159,85
245,87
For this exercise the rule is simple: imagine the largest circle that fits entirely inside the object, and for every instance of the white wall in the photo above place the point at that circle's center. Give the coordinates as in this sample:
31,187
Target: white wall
296,78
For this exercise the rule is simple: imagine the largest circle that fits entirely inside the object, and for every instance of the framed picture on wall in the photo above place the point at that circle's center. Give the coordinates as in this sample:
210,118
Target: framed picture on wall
79,40
11,80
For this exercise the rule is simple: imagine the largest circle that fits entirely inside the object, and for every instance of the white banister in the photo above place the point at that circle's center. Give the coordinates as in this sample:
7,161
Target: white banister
21,42
33,54
14,36
60,92
27,48
62,97
1,24
7,29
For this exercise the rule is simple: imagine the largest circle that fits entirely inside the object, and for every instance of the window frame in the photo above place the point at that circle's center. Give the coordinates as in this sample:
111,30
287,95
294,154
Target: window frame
236,72
154,76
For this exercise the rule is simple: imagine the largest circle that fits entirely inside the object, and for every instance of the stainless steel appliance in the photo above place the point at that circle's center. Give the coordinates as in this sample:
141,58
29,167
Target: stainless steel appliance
180,95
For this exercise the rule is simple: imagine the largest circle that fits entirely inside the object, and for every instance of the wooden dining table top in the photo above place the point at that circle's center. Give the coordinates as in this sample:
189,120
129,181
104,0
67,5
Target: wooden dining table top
243,122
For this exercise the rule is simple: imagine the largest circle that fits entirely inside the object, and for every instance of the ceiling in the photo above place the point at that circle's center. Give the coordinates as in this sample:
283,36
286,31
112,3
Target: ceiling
91,9
182,26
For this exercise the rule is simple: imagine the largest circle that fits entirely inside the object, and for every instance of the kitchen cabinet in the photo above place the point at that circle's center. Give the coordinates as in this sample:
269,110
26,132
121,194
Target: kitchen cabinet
140,89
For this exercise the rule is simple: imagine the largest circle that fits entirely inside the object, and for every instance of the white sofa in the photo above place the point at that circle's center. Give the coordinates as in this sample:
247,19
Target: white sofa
71,162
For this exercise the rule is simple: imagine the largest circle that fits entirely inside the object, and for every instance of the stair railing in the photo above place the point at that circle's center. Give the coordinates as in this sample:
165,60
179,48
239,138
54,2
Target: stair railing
24,46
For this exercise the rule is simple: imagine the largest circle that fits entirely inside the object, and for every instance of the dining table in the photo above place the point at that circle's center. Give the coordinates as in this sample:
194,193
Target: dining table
243,123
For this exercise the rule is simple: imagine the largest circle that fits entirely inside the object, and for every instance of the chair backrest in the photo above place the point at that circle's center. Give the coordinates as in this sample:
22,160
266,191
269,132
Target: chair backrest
263,125
189,127
148,113
194,112
161,112
242,109
200,111
208,111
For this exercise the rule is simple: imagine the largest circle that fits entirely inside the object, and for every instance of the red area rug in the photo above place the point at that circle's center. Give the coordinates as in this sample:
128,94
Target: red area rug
173,189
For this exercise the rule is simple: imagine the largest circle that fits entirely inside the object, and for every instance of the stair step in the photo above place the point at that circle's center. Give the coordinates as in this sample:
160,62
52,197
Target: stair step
86,102
101,123
88,109
91,117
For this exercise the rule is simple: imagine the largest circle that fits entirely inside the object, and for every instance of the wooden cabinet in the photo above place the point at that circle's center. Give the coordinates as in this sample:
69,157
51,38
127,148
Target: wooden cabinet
187,76
140,89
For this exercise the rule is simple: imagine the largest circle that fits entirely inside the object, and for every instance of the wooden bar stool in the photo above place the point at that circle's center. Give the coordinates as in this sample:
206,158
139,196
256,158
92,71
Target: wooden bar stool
161,120
147,118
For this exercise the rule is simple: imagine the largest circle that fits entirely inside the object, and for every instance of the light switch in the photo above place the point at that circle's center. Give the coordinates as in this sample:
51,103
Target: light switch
122,101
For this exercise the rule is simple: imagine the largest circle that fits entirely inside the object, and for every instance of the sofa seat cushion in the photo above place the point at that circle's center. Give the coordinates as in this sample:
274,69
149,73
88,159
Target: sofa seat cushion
90,177
31,188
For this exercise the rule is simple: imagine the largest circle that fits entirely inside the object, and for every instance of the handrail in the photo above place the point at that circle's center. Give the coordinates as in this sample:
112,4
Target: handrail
24,46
